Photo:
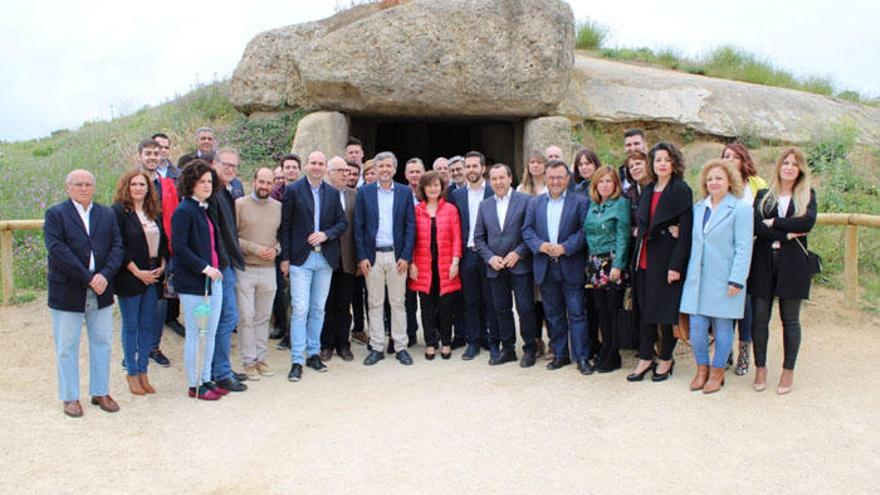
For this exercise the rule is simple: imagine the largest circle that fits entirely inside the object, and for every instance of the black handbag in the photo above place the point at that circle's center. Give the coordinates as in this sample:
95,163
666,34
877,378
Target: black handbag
628,322
814,261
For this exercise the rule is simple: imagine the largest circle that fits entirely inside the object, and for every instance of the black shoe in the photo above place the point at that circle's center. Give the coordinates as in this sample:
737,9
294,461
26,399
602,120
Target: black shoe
242,377
472,351
494,352
232,384
507,356
391,347
176,327
637,377
277,333
558,363
660,377
315,363
585,367
609,365
123,364
404,358
283,345
345,354
447,355
373,357
456,344
296,373
528,360
430,357
159,358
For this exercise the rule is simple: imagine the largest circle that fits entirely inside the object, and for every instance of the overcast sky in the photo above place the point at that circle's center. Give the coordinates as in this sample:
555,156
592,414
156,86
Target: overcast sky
66,62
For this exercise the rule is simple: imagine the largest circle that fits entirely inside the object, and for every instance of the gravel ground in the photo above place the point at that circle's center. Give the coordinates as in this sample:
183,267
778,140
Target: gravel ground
452,426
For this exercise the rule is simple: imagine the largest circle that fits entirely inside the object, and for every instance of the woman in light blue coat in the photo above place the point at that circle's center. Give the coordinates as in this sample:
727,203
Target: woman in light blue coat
721,252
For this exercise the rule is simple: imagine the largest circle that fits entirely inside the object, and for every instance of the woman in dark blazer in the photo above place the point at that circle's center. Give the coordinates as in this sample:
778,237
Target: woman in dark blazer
139,279
194,241
784,214
663,241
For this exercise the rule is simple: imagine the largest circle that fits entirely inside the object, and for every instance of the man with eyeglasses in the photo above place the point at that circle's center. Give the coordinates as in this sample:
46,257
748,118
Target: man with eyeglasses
84,251
222,210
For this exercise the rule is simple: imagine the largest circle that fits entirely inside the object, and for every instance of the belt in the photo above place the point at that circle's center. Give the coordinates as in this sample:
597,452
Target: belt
384,249
554,259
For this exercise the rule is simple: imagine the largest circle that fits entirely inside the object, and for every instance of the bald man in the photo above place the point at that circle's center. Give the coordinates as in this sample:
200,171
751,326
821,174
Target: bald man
553,153
84,253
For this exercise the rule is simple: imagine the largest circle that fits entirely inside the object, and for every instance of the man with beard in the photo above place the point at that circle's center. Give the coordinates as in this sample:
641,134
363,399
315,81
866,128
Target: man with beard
258,217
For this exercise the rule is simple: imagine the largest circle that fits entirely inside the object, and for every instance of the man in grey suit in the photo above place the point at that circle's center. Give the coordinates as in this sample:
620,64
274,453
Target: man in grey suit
499,242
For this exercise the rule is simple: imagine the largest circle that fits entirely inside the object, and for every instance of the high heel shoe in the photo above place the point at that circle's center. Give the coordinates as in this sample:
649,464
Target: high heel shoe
760,379
447,354
637,377
430,357
659,377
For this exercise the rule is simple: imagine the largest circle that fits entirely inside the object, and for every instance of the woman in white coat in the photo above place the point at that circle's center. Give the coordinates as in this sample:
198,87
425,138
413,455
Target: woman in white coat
721,252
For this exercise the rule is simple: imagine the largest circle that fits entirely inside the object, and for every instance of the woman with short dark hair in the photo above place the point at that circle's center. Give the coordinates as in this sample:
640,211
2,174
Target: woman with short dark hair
664,221
586,162
138,281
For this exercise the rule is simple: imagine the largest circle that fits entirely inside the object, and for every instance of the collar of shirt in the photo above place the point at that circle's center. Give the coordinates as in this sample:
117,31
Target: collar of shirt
506,197
479,188
313,187
82,210
560,198
202,204
383,190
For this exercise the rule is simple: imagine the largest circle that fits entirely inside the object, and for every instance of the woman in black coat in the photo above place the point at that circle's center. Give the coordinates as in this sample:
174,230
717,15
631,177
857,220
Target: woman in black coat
138,282
784,214
663,238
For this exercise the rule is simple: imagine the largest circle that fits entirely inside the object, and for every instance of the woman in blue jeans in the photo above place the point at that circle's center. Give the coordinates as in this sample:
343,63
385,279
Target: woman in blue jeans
138,281
194,241
714,288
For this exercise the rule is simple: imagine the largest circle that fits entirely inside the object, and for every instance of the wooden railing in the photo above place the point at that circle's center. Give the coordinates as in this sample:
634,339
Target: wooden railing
852,221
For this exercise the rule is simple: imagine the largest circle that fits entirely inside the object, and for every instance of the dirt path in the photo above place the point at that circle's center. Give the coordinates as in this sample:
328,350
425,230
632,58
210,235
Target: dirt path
452,426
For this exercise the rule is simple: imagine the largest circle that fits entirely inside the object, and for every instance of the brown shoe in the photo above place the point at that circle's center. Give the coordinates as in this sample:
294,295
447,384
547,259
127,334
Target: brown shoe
106,403
715,382
345,354
540,348
73,409
549,355
760,379
134,385
145,384
360,337
786,381
700,380
253,372
264,369
325,354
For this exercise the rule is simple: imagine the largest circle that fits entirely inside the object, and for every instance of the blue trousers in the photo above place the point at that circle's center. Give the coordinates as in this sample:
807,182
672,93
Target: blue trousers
221,367
479,315
138,329
507,287
723,328
566,315
67,329
309,287
189,302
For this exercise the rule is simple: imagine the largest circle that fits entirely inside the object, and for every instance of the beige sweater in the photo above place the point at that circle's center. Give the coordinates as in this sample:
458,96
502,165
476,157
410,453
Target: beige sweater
258,222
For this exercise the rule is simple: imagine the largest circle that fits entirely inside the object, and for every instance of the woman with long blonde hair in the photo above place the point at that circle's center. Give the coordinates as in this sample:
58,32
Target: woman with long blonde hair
784,214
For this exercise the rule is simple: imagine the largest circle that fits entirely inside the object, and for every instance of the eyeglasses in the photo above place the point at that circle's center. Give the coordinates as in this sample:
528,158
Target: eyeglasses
229,165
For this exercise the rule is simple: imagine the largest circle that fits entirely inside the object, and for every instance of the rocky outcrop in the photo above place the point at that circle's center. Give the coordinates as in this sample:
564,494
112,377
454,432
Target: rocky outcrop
326,132
456,58
607,91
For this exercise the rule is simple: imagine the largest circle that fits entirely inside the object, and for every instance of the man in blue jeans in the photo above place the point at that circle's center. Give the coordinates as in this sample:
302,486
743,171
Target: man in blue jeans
312,219
222,210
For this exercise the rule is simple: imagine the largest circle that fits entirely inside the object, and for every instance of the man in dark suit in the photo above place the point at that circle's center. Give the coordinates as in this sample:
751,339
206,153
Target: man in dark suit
204,147
554,232
337,317
84,253
166,169
479,311
498,240
384,238
312,220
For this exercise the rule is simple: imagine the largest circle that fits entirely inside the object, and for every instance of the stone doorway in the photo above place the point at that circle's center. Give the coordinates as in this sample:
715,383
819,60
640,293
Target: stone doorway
500,141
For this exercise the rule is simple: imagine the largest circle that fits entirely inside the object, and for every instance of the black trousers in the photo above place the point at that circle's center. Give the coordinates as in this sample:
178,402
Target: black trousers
606,303
790,313
649,333
438,313
592,323
358,303
337,319
281,304
411,304
539,319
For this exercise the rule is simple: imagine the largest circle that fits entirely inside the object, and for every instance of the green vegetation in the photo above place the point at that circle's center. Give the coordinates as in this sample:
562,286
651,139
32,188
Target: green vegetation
32,172
725,62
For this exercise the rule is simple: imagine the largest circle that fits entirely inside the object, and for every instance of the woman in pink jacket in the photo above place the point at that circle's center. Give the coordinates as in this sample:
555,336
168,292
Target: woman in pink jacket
434,270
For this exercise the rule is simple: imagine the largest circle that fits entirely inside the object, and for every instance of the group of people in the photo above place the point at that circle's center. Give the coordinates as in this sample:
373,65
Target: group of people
335,251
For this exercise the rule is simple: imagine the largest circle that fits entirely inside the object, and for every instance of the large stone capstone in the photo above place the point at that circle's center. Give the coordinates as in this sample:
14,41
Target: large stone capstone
455,58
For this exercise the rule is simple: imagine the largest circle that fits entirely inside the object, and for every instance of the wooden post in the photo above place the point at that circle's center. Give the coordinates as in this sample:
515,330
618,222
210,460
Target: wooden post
6,260
851,268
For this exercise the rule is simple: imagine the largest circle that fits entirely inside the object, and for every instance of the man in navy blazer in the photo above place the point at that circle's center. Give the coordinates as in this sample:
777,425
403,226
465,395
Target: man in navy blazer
498,240
84,253
384,238
554,232
478,318
312,220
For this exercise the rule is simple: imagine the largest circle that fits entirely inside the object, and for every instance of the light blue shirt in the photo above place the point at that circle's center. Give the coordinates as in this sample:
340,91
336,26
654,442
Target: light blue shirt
385,233
316,196
554,215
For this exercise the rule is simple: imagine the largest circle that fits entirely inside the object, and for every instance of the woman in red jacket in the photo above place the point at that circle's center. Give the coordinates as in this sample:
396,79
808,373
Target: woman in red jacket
434,269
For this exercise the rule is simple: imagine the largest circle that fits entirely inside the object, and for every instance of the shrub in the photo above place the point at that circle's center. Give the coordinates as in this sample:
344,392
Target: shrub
262,141
590,35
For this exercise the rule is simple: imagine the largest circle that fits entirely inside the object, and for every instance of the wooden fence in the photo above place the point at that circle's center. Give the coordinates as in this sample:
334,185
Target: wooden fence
852,221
